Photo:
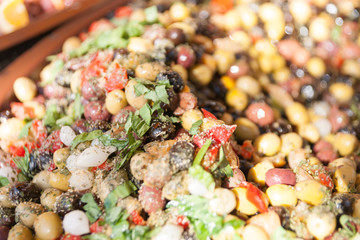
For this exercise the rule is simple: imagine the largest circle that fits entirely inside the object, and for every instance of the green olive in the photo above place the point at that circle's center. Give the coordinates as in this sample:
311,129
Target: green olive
48,226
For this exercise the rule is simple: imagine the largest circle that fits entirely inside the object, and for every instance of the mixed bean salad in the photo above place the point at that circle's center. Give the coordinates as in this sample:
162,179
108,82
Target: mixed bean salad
191,120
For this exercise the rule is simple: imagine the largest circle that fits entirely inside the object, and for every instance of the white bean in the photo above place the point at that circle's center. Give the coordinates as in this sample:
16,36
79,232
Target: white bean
76,223
67,135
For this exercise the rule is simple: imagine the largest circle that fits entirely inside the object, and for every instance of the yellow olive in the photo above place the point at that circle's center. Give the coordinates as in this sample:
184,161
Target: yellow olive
297,113
246,129
201,74
24,89
48,198
48,226
20,232
60,157
179,11
224,59
71,44
27,212
236,99
131,97
60,179
249,85
345,143
149,70
316,67
115,101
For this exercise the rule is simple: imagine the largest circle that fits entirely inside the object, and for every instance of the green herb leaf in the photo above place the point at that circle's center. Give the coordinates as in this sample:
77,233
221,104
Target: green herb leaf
145,113
151,14
140,89
4,181
86,136
51,116
162,93
200,155
64,121
97,236
121,191
195,127
23,163
56,66
24,132
93,211
281,234
134,29
223,165
78,107
198,172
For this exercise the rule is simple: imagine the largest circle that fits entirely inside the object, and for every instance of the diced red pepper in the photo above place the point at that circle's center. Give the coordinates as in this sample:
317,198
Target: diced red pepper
247,149
103,166
208,114
39,131
326,180
136,218
20,111
222,133
182,221
221,6
96,227
52,142
116,77
122,12
255,196
17,151
70,237
96,67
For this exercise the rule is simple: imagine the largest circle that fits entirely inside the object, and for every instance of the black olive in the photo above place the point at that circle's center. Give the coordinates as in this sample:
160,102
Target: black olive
204,27
97,125
343,204
25,192
162,7
130,73
33,165
199,51
189,234
215,107
7,216
160,131
218,88
120,52
348,129
63,78
170,56
4,232
79,126
176,35
67,202
279,127
173,101
245,166
181,156
174,78
5,115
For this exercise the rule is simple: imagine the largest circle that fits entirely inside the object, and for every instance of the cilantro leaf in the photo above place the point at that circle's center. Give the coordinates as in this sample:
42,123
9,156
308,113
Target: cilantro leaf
162,93
195,127
51,116
93,211
86,136
97,236
24,132
121,191
145,113
140,89
4,181
202,176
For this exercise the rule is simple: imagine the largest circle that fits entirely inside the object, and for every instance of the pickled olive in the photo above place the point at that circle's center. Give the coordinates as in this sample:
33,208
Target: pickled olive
48,226
7,216
60,179
249,85
176,35
148,70
201,74
258,172
23,192
67,202
297,114
27,212
281,195
24,89
60,157
181,156
20,232
310,191
268,144
185,56
48,198
246,129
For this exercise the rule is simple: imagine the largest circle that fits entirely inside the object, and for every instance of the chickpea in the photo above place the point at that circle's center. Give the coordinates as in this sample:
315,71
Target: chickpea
180,70
249,85
60,157
281,195
290,142
319,29
48,198
264,46
179,11
258,172
243,205
265,63
60,179
248,18
48,226
310,191
281,75
149,70
254,232
246,129
236,99
321,224
133,100
138,15
189,117
11,128
269,12
115,101
141,45
268,144
301,11
242,38
224,201
297,113
224,59
26,212
75,81
24,89
39,109
201,74
209,61
316,67
341,92
71,44
232,20
351,67
20,232
345,143
309,132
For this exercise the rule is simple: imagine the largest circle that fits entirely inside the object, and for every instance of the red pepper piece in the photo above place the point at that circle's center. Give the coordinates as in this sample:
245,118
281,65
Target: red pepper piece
182,221
222,133
116,78
208,114
136,218
255,196
247,149
96,227
20,111
70,237
122,12
17,151
221,6
52,142
326,180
